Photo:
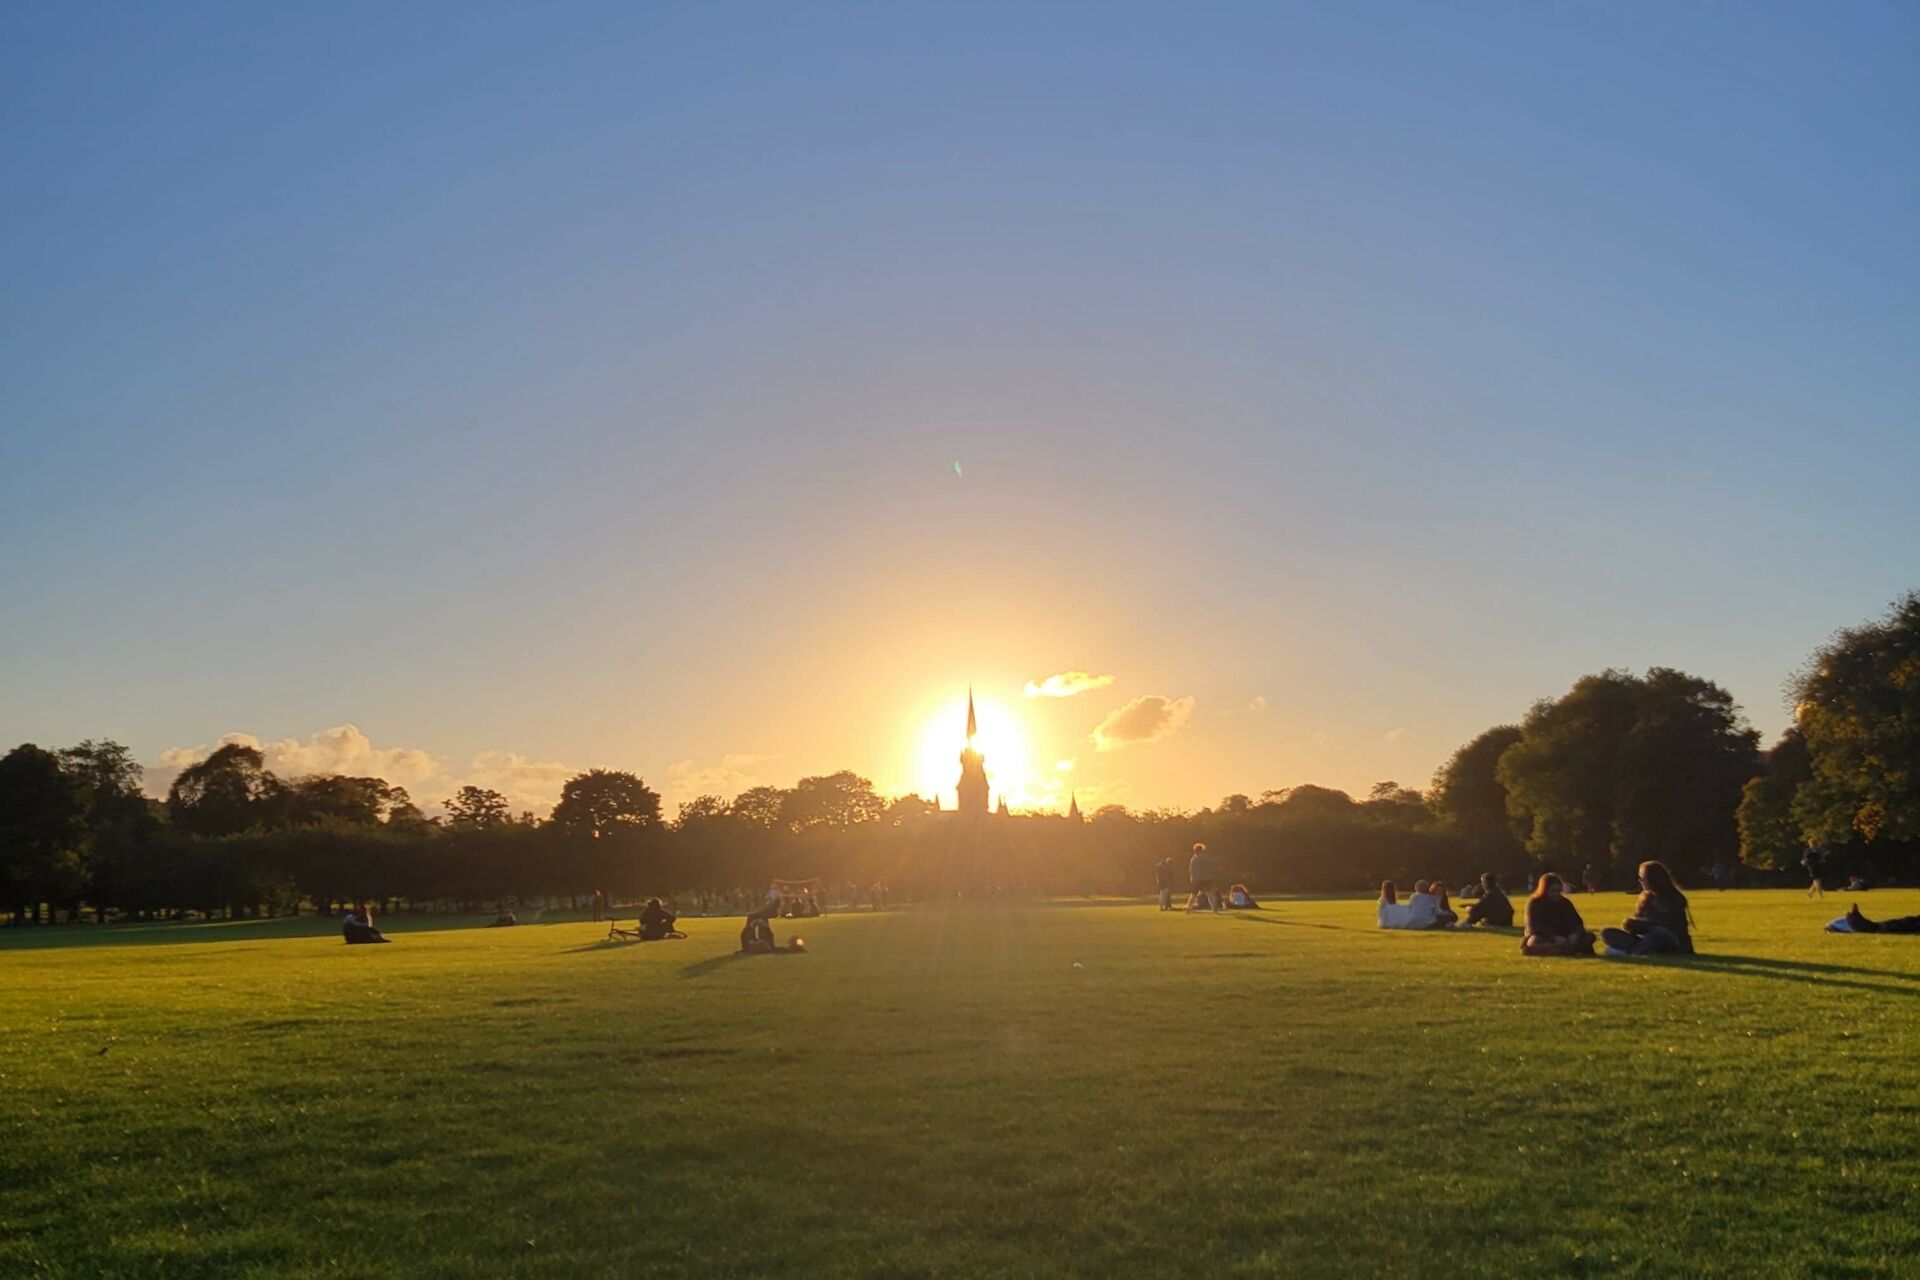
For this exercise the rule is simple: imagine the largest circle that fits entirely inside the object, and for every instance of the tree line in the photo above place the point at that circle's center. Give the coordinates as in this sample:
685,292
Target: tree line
1620,768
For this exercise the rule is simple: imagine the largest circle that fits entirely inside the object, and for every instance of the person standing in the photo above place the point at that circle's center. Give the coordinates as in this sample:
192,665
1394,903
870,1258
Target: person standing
1200,873
1816,863
1163,881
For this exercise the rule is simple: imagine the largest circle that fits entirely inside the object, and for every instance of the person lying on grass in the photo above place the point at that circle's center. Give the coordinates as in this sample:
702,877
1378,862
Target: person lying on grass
1854,922
1554,926
656,922
357,926
1660,919
1239,898
1492,908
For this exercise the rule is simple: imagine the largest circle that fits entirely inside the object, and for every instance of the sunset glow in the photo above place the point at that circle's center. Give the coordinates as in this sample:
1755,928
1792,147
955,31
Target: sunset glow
1002,740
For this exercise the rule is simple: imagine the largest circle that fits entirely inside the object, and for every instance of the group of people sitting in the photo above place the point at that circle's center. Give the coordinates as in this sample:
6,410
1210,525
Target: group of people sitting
1430,906
1661,923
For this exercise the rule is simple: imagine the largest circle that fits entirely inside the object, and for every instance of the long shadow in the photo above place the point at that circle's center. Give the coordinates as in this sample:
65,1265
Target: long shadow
704,967
1800,971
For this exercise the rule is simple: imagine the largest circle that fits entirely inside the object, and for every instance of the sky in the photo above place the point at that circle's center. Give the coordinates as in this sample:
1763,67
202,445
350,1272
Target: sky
478,393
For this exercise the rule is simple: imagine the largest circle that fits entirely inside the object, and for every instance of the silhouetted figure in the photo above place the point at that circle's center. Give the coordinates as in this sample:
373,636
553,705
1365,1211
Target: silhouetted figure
1493,908
1444,917
1200,874
1815,861
1163,881
357,926
1239,898
656,922
1554,926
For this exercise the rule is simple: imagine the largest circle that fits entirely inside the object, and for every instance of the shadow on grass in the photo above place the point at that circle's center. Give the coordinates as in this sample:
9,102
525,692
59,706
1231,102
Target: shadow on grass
205,932
1891,982
704,967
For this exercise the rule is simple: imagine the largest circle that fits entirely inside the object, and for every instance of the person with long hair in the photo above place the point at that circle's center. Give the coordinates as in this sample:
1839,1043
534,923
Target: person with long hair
1660,919
1492,907
1554,926
1392,913
1444,916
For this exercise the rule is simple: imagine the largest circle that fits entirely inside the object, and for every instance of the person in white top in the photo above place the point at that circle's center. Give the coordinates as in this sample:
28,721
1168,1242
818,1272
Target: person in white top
1392,912
1423,909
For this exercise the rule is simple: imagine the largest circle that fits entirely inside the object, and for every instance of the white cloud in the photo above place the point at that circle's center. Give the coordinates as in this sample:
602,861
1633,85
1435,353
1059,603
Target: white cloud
1064,766
343,749
527,784
1066,684
735,772
1394,735
1147,718
1259,702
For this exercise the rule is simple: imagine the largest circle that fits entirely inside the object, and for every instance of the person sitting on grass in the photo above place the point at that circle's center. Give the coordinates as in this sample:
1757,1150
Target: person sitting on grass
1658,925
1444,917
656,922
1240,899
503,917
357,926
1392,912
1554,926
1423,909
1854,922
1492,908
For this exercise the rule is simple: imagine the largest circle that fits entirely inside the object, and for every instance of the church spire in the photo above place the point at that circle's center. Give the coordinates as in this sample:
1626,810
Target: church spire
973,725
1073,806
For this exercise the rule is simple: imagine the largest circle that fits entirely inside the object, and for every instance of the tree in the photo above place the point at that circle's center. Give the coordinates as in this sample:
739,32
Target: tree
1858,707
835,800
332,798
1467,797
759,806
701,809
43,812
1624,768
123,839
473,806
602,802
225,794
1770,836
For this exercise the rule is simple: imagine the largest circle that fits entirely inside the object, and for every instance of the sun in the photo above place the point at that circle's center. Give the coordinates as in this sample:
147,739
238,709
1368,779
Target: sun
1001,740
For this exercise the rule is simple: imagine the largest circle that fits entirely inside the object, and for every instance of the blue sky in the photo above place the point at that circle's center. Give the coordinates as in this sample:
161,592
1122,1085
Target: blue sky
563,385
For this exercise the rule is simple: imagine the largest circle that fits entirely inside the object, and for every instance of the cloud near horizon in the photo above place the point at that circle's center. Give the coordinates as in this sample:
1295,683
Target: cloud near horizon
1147,718
343,749
686,779
1066,684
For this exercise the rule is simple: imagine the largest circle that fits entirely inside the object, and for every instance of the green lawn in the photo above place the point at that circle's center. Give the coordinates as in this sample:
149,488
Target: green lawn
1065,1090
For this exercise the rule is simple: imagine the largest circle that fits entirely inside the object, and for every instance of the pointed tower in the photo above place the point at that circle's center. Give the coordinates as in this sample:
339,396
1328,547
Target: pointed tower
973,770
1073,806
1002,810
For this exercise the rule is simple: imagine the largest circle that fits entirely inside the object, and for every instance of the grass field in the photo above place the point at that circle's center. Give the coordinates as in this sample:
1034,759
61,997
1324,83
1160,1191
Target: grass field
1060,1090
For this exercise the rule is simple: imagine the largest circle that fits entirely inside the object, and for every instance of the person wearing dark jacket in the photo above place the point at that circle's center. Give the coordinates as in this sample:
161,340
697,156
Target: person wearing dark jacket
1163,881
1659,923
656,922
1492,908
1857,923
1554,926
